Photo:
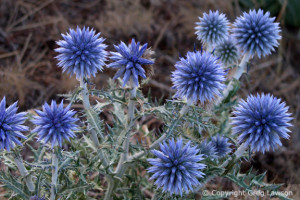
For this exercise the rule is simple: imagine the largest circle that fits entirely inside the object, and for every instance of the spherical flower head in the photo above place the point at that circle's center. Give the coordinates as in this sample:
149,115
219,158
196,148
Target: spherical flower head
55,124
256,32
261,121
221,145
208,149
227,52
199,76
11,125
212,28
130,61
81,52
176,167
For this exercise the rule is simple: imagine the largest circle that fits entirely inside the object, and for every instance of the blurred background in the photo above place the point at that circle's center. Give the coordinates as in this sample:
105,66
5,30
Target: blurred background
28,71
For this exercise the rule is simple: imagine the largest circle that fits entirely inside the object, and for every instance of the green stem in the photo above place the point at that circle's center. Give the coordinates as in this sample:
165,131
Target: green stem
94,137
23,171
111,185
121,168
156,143
87,106
54,175
237,155
236,76
124,159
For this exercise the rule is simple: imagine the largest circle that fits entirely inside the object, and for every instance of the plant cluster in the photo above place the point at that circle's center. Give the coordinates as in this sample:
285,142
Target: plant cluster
206,131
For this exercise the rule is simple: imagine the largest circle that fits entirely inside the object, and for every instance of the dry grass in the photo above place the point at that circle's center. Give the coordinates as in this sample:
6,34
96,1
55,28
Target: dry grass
28,72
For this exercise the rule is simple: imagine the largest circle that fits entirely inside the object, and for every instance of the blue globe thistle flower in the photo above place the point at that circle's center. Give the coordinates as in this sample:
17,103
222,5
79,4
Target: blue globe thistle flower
208,149
212,28
261,121
227,52
221,145
256,32
198,77
55,124
11,125
176,167
129,59
81,52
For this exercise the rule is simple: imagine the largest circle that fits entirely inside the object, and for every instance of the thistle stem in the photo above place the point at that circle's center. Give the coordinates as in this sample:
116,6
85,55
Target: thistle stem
111,185
236,76
238,154
156,143
54,175
94,138
87,106
23,171
121,168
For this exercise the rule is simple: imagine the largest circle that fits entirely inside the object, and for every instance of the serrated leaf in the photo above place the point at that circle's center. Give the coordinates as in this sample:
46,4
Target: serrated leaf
90,143
13,185
94,120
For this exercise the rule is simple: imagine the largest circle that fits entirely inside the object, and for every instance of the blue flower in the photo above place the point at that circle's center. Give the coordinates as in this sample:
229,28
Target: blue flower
212,28
208,149
176,167
227,52
81,52
11,125
221,145
261,121
198,77
129,59
55,123
256,32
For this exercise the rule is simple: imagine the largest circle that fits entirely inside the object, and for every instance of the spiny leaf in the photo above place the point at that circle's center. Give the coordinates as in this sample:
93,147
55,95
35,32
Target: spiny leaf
13,185
95,121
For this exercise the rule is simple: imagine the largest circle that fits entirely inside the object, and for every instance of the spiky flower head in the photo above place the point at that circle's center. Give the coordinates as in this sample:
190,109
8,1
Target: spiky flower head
11,125
221,145
227,52
261,121
212,28
81,52
208,149
130,61
256,32
55,124
199,76
176,167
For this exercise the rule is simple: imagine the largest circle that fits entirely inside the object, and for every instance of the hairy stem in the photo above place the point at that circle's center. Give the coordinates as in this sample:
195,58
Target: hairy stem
111,185
87,106
23,171
124,156
121,167
237,155
54,175
94,137
236,76
156,143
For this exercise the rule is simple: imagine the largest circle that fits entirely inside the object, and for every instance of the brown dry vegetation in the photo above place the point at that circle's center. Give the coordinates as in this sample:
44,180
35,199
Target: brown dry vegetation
28,71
